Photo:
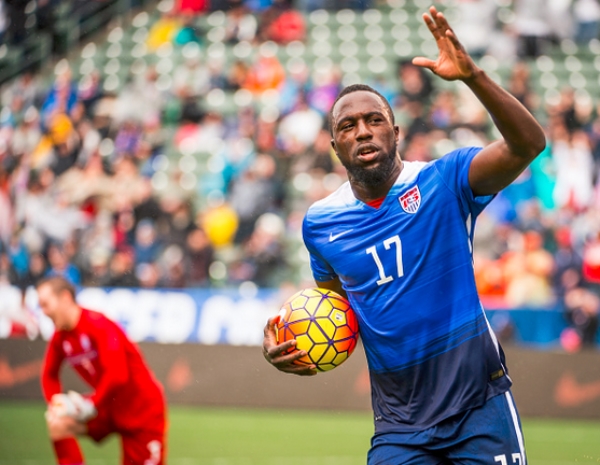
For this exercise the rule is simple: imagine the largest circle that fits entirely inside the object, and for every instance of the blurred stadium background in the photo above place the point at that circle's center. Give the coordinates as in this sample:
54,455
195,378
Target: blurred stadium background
161,155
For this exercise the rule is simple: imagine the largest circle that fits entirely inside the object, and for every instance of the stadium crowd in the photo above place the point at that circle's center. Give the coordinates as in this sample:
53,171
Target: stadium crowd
85,193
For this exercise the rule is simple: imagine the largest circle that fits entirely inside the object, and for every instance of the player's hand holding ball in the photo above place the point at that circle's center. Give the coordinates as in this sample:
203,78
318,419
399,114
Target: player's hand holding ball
67,414
60,406
72,405
315,330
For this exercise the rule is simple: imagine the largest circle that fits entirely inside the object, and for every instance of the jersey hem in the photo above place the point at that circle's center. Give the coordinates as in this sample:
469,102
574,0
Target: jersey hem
382,427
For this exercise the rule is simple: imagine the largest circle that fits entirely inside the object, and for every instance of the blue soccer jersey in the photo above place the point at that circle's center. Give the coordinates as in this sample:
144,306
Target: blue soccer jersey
407,269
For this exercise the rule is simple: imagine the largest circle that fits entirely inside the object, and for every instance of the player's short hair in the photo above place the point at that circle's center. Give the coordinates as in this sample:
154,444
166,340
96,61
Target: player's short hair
58,284
356,88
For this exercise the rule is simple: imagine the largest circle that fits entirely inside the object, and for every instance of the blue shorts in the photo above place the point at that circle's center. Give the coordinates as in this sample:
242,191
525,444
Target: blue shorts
488,435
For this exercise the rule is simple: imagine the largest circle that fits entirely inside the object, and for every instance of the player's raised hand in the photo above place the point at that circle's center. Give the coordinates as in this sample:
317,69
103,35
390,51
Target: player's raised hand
453,61
276,355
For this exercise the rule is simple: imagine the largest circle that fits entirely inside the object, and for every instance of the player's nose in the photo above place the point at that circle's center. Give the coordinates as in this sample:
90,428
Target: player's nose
363,131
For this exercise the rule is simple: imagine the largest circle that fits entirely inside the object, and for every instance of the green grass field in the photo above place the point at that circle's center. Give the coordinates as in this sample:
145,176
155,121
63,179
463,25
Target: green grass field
268,437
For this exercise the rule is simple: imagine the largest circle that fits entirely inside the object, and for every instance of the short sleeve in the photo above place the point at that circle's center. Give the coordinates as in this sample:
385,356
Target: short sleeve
321,270
454,171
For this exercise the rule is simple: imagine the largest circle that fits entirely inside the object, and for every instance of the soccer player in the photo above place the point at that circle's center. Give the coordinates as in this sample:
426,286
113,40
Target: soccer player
127,400
396,240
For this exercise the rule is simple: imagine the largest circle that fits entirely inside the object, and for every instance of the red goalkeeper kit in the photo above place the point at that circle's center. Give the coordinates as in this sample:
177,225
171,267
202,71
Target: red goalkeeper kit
128,398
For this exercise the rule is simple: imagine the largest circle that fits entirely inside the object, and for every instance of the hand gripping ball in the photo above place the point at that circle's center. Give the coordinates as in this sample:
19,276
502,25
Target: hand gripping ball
322,323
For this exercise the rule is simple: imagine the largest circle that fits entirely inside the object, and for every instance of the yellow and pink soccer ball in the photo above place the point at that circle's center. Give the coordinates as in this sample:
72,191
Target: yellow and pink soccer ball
322,323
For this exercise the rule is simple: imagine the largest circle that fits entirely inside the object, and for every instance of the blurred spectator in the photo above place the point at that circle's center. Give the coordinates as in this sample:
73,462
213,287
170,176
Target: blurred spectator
127,139
61,266
591,261
574,169
36,270
415,84
294,88
62,97
163,31
237,76
18,255
263,253
187,33
520,85
476,20
531,24
148,275
240,25
90,91
6,210
191,7
559,16
528,273
581,308
147,247
266,73
8,274
317,156
174,266
281,24
326,85
253,194
191,78
122,272
199,255
299,129
587,20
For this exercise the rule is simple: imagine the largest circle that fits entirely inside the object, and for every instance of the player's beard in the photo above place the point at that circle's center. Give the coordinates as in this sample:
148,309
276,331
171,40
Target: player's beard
376,175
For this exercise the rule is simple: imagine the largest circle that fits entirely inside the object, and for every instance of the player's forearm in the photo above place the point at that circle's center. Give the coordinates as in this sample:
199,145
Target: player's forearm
50,378
50,386
522,134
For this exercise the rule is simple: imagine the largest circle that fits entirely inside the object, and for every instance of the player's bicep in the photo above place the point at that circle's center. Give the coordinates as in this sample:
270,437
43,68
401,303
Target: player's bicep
334,285
494,168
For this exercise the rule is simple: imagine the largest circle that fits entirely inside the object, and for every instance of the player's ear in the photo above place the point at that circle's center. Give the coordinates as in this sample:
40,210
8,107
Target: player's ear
333,146
397,133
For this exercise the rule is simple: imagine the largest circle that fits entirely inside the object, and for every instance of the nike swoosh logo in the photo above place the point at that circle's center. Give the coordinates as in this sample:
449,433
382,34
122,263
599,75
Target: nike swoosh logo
13,376
570,393
333,238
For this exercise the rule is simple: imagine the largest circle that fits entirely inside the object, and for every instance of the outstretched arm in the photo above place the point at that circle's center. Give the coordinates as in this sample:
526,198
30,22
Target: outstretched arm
498,164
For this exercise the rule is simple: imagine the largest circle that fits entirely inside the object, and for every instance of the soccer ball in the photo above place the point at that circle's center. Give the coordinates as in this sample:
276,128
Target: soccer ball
322,323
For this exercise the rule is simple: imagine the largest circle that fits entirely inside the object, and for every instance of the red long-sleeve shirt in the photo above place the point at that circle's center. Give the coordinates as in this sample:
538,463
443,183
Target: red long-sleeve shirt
100,352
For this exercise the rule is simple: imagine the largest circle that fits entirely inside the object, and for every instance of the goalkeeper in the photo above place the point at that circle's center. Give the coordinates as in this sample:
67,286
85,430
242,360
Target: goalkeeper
127,400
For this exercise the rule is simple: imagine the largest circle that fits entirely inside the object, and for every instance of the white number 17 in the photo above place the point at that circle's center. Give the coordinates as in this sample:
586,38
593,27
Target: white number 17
516,458
383,278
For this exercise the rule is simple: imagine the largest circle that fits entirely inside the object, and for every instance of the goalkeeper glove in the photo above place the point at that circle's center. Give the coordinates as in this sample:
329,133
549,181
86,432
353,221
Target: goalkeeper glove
72,405
85,408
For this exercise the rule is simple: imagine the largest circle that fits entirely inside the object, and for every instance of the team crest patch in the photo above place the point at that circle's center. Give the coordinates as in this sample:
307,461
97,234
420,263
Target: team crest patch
410,200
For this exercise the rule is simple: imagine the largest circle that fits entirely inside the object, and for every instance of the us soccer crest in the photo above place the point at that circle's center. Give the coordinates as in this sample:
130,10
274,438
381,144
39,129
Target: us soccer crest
410,200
